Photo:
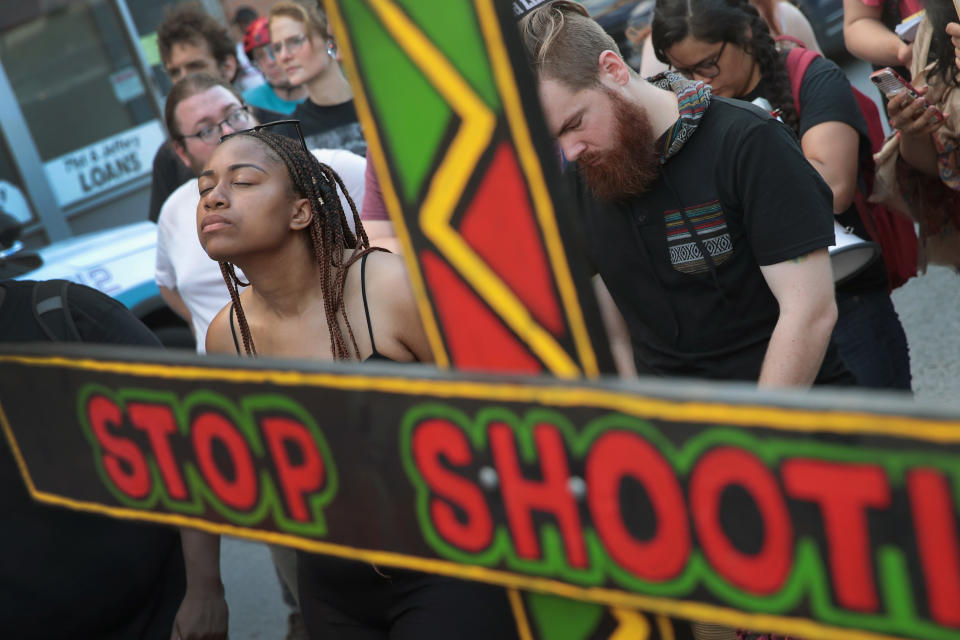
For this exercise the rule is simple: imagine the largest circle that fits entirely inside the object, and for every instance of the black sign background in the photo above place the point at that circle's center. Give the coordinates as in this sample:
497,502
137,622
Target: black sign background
370,507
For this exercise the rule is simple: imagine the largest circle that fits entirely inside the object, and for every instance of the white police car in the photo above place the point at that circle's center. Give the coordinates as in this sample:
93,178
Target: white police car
119,262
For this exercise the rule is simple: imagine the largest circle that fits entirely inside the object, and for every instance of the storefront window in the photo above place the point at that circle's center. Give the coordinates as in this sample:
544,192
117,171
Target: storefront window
84,101
13,200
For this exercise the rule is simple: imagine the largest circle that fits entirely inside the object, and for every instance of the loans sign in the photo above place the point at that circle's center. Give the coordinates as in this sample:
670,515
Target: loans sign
733,508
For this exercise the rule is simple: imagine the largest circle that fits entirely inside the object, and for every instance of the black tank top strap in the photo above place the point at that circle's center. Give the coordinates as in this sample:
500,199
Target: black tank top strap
233,332
366,308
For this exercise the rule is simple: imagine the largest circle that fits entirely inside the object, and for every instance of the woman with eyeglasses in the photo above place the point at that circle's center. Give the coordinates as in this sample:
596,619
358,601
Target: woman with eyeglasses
783,19
316,290
728,45
302,45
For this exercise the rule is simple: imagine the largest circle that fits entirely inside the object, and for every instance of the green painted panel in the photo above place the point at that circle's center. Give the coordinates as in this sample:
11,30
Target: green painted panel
561,619
453,28
411,113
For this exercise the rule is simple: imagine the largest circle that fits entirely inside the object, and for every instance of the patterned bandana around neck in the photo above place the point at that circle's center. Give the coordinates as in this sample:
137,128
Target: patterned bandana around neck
693,98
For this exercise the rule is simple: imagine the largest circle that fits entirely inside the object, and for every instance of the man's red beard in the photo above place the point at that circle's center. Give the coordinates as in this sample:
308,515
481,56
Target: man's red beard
632,165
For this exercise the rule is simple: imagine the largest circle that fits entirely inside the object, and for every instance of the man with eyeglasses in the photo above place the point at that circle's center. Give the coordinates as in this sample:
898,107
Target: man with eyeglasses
708,227
277,93
190,41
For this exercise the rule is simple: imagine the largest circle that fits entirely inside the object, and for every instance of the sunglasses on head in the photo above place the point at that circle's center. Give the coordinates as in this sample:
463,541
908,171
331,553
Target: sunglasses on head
276,123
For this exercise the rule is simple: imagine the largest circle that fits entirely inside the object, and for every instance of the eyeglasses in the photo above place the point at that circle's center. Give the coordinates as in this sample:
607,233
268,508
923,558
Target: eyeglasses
237,119
706,69
276,123
292,44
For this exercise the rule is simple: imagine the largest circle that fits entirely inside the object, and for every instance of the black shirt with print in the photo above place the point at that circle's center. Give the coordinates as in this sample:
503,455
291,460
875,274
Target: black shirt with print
741,182
331,126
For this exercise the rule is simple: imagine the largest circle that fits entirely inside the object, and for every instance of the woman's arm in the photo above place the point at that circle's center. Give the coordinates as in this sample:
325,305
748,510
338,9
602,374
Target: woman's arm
866,36
833,150
795,24
203,613
394,314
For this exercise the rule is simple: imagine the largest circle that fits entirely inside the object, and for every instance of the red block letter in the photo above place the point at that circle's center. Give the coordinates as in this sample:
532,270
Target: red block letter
157,422
843,492
551,495
935,525
762,573
241,492
135,479
613,457
296,480
433,439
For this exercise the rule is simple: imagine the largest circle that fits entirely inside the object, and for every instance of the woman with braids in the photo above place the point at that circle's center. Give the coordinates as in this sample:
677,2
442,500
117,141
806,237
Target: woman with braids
727,44
918,171
316,290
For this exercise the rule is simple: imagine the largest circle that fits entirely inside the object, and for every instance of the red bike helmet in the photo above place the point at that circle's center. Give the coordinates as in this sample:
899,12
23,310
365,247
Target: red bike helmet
257,35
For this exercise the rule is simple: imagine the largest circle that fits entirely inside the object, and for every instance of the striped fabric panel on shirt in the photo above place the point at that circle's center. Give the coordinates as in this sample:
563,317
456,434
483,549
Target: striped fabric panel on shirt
707,219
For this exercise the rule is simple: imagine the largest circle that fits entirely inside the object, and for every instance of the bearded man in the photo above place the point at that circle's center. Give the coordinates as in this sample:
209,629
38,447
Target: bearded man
705,222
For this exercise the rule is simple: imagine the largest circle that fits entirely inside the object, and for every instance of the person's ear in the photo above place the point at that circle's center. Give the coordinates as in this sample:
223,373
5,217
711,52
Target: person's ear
229,68
612,67
302,214
181,151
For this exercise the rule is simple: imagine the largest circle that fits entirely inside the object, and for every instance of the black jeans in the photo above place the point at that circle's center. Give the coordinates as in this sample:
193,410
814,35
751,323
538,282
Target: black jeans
871,340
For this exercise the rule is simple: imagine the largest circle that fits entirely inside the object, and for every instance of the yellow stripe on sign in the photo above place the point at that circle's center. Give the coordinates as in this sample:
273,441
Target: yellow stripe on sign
631,625
520,614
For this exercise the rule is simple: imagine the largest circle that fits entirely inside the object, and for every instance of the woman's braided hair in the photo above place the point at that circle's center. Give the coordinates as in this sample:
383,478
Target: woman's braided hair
329,234
727,21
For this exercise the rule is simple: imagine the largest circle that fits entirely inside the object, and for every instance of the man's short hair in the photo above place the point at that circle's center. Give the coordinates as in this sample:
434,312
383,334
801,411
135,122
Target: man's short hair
564,43
186,87
189,23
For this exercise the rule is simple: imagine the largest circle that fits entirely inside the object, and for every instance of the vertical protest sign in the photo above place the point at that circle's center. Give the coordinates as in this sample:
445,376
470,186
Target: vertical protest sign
464,166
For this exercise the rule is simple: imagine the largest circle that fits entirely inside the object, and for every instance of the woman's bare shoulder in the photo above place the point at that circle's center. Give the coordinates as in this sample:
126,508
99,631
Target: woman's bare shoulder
386,274
219,336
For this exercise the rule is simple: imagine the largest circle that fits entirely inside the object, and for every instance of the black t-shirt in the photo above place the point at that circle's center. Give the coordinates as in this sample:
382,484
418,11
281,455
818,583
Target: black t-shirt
727,182
69,574
169,172
331,126
826,96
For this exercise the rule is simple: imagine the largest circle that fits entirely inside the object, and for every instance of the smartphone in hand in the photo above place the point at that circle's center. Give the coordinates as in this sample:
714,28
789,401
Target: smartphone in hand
892,84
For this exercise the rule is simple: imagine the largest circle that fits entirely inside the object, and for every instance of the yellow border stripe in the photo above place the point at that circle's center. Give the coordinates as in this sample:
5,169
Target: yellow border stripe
543,204
807,629
560,395
388,189
520,614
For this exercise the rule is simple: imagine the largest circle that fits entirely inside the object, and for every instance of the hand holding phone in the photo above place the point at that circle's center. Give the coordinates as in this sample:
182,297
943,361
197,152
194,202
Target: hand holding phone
892,84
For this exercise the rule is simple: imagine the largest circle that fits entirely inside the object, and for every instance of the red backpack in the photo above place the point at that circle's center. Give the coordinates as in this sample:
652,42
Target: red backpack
892,231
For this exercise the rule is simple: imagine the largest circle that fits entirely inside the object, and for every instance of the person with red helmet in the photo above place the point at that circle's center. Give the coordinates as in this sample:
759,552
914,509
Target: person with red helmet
277,94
